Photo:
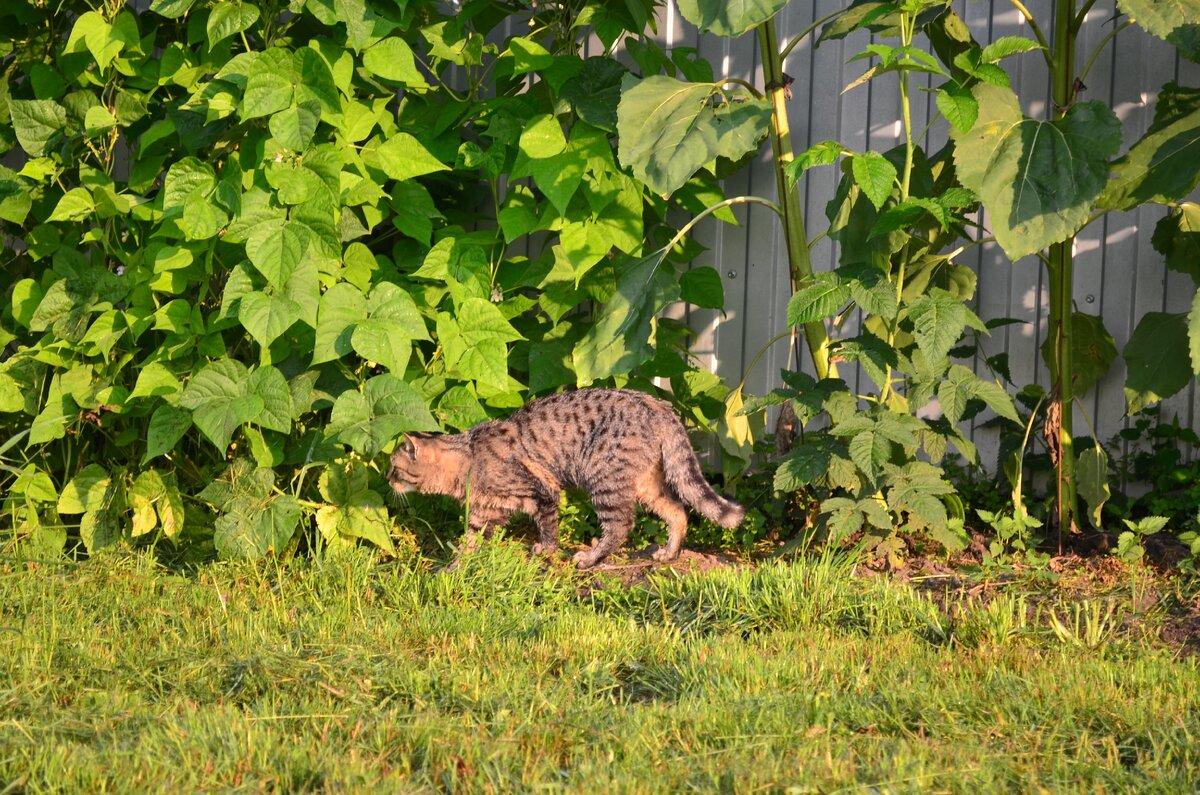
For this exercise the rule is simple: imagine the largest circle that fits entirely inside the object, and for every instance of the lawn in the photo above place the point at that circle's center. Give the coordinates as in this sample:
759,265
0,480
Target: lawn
505,676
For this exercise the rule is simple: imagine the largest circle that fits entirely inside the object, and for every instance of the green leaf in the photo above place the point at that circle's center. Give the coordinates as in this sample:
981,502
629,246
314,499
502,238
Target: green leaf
75,205
474,342
1193,325
166,428
228,19
1177,237
380,341
219,401
876,175
528,55
266,317
392,59
252,528
619,340
820,298
186,178
1091,479
342,307
729,19
702,287
669,129
460,409
269,86
1037,179
367,520
36,121
172,9
825,153
155,380
1157,360
958,105
807,464
1092,351
962,385
414,211
595,92
1162,17
276,249
1005,46
403,157
294,127
938,319
542,137
86,491
1164,166
268,384
386,408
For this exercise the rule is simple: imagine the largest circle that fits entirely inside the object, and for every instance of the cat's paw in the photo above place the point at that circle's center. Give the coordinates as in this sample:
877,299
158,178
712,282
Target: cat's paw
585,559
544,549
664,555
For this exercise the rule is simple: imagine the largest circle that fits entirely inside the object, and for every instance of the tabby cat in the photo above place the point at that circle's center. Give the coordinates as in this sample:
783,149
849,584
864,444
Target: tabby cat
622,447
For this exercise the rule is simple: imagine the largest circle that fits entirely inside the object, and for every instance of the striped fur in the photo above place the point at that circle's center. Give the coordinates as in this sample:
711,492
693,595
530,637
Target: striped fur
624,448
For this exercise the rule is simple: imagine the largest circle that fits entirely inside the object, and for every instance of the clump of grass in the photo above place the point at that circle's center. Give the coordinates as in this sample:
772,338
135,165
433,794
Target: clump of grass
506,674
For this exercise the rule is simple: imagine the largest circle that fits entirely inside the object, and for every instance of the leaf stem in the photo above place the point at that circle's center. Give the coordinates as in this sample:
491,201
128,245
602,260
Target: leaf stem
804,33
799,260
1037,31
1100,48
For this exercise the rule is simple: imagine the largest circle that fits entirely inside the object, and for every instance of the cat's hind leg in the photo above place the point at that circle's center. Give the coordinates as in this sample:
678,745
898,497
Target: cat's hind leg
616,518
653,492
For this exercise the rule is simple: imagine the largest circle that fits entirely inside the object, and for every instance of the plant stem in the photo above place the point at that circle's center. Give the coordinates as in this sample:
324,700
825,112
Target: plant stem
1061,271
799,262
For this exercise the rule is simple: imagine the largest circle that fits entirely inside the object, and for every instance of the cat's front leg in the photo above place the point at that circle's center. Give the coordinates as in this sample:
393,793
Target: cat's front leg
545,516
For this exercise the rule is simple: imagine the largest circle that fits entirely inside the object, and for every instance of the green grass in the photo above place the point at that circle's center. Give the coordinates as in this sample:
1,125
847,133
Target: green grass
501,676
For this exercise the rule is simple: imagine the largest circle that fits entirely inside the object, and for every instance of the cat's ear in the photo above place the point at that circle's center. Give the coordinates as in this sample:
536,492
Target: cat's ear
414,442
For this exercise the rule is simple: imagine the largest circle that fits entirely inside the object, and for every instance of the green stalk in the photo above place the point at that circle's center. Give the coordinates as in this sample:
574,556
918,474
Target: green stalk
799,262
1061,271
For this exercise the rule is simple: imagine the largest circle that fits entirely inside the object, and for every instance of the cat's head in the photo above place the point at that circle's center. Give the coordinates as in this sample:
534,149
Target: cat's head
411,462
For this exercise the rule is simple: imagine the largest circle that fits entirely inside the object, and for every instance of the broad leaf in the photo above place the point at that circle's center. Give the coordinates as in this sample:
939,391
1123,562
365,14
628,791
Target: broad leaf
1163,166
620,338
669,129
820,298
876,175
1037,179
219,402
251,528
267,316
1157,361
386,407
1163,18
392,59
938,319
35,122
1091,479
730,19
1092,351
228,19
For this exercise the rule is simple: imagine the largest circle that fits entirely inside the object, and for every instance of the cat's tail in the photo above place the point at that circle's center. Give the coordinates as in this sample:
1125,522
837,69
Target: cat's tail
683,473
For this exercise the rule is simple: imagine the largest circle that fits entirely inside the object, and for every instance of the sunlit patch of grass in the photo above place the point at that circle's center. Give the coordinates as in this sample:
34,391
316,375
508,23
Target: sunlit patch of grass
507,674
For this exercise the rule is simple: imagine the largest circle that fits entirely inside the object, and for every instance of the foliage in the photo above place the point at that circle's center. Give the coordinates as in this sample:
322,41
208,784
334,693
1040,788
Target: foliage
901,217
248,245
1160,467
898,217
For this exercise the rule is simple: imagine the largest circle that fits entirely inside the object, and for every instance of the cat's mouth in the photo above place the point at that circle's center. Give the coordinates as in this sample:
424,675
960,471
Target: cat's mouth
398,483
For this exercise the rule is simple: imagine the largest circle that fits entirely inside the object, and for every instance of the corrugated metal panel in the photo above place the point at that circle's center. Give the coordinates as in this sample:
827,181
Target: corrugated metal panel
1118,274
